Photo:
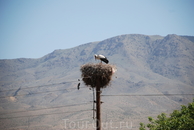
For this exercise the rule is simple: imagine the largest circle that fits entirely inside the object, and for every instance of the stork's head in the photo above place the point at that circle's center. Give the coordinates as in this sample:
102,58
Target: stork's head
95,56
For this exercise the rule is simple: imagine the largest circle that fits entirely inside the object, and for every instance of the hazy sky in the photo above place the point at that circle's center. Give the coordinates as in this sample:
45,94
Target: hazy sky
34,28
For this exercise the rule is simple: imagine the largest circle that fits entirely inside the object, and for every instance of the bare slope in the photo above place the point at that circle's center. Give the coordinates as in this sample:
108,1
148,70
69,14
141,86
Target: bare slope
146,65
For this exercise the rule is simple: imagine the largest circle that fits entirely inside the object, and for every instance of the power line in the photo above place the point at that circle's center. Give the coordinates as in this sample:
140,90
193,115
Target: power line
39,86
44,114
148,95
45,108
40,92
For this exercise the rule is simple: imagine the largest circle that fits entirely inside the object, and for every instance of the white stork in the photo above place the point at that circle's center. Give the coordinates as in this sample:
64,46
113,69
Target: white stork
102,58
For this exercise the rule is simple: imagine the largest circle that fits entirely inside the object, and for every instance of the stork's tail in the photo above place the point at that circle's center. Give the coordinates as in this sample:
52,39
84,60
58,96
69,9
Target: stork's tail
105,60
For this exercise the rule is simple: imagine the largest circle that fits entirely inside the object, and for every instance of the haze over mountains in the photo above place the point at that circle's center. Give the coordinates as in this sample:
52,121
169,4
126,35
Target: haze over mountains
145,64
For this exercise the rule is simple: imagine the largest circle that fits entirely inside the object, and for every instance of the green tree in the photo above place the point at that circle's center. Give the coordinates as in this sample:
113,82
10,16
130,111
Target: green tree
178,120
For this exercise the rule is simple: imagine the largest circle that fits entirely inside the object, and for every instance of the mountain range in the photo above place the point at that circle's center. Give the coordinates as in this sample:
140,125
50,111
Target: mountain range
155,74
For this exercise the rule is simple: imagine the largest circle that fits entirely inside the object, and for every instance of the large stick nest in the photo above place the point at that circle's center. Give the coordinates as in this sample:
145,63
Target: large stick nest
97,74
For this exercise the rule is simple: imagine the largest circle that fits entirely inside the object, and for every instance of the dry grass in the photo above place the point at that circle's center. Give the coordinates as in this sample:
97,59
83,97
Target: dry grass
101,74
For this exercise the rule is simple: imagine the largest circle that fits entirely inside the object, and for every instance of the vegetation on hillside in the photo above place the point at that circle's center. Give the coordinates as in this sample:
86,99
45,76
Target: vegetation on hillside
178,120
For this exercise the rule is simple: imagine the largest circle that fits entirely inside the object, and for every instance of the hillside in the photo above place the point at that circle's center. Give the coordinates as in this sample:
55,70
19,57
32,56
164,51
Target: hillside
146,65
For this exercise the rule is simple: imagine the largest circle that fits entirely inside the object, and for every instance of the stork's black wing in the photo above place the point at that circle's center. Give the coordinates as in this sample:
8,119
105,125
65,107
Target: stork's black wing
104,60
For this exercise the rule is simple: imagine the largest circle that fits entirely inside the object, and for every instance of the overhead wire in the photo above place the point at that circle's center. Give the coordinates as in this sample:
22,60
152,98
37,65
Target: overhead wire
147,94
31,93
39,86
44,114
45,108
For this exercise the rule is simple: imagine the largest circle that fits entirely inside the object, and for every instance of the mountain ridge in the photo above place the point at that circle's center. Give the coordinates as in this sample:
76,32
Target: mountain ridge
146,65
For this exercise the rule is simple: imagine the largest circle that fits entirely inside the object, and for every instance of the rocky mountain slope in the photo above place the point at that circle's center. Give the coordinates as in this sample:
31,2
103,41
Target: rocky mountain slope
47,87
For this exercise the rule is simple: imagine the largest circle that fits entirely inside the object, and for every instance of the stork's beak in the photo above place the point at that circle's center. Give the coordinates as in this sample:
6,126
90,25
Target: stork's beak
95,57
